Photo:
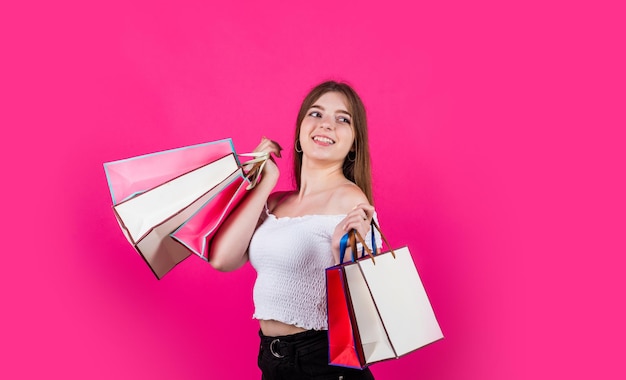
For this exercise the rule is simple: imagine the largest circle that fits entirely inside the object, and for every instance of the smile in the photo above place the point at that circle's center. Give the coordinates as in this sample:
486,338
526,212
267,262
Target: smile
323,140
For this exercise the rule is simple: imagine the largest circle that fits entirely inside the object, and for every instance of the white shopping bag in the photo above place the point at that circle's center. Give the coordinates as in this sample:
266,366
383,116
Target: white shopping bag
378,309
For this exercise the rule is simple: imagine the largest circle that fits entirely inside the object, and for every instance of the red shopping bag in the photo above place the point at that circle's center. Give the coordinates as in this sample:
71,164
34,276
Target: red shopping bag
343,344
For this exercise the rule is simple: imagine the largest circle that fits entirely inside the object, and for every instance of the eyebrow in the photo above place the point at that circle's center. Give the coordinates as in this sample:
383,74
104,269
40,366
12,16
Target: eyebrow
339,111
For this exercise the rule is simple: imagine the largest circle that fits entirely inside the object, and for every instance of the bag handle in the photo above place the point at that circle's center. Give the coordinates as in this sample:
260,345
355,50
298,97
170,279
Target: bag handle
254,174
375,225
257,157
349,238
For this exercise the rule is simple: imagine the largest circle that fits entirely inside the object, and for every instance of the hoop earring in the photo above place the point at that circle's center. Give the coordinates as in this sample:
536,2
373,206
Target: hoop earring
351,159
296,146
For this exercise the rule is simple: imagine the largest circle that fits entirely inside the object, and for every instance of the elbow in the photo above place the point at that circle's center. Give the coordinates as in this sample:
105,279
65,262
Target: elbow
224,258
220,265
226,263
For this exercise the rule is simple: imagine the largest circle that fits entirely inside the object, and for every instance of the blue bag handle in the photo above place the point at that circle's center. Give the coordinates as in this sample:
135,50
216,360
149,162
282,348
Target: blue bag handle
350,238
343,244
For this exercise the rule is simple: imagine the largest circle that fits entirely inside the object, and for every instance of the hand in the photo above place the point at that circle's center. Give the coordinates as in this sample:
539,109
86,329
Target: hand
360,219
271,169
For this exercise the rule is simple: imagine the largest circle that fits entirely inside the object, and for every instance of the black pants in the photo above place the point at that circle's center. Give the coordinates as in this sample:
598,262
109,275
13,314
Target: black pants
302,356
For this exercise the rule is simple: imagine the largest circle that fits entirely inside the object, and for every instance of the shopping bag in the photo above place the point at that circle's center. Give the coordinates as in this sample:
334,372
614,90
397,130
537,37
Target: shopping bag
132,176
378,308
149,217
195,234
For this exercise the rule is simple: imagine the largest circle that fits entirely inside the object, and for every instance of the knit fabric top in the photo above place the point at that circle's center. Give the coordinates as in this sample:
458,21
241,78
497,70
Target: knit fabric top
290,255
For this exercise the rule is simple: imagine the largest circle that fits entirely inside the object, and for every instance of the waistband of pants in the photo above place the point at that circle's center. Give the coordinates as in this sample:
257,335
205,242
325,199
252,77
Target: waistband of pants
285,346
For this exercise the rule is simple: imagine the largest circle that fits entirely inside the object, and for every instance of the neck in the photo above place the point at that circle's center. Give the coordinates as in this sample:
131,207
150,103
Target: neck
318,178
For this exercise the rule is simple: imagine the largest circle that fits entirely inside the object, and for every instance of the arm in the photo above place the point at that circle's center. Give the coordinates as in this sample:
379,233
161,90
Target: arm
229,246
359,217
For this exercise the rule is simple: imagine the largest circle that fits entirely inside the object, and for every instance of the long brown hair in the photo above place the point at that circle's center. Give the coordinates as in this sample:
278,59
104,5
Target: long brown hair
359,169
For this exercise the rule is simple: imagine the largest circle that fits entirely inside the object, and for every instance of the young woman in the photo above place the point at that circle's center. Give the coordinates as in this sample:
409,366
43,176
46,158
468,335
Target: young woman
291,237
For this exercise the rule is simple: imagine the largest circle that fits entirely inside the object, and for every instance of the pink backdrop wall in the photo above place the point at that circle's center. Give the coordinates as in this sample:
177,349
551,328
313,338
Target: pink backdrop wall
497,139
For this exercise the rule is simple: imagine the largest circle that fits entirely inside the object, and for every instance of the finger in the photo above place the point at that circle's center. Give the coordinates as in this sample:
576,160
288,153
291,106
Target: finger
278,149
277,145
361,213
349,223
367,207
268,147
368,210
272,146
355,221
262,146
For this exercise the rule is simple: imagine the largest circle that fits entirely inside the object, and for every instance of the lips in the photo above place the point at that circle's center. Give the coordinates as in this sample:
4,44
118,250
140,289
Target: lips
323,140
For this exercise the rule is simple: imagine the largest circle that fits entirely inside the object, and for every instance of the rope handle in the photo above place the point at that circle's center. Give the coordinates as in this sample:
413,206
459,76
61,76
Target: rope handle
258,161
350,239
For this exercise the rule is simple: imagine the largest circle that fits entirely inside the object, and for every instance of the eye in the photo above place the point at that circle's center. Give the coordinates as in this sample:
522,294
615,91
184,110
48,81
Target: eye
315,114
343,119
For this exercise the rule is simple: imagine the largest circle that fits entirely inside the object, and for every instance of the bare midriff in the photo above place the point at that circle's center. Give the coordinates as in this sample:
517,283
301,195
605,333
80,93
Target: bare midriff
276,328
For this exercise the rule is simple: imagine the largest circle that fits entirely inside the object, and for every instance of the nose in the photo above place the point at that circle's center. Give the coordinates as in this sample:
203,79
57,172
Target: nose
326,123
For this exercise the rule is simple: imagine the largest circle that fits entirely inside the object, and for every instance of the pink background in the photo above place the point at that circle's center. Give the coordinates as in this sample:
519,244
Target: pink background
497,139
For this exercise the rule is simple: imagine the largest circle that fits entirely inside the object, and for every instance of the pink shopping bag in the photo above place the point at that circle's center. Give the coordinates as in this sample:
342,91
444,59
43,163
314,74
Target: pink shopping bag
196,233
131,176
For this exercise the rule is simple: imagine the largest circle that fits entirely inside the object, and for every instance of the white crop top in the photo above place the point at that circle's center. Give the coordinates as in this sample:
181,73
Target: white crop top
290,255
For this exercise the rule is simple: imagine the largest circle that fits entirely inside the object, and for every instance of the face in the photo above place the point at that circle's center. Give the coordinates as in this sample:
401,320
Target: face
326,132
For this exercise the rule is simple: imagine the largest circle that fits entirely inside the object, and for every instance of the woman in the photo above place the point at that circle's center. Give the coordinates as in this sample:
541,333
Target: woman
291,237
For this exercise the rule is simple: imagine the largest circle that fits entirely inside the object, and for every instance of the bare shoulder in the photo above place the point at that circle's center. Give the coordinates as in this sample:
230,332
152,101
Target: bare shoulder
347,196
